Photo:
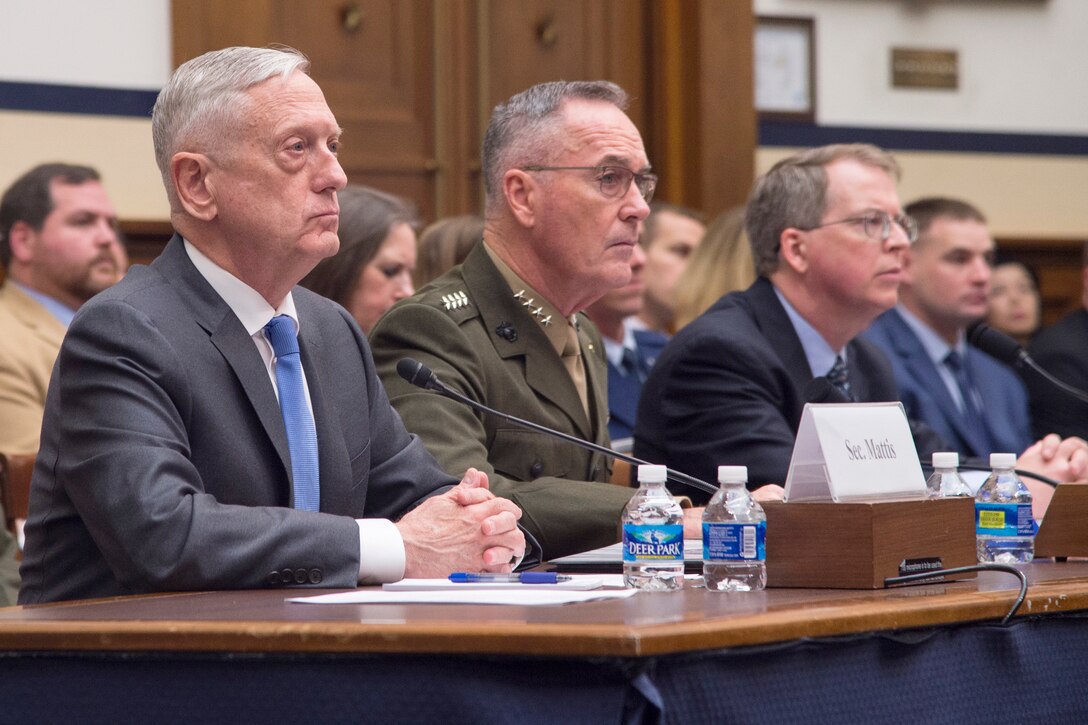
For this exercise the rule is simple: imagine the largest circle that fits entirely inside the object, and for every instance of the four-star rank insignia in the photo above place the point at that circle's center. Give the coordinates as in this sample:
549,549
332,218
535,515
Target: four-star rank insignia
455,300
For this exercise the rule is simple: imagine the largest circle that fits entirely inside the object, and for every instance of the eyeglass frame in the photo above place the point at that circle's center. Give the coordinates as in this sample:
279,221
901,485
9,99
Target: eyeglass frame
904,221
636,177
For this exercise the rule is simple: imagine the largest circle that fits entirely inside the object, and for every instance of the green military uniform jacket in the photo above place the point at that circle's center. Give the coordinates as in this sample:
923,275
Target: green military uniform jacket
469,328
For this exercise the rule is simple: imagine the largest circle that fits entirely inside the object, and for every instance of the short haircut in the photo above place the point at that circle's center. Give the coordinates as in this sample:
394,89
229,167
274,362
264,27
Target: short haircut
30,199
649,227
366,216
793,194
206,96
521,129
925,211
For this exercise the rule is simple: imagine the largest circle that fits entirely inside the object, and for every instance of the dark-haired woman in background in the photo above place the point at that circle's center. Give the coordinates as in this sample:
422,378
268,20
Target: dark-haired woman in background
1014,306
377,256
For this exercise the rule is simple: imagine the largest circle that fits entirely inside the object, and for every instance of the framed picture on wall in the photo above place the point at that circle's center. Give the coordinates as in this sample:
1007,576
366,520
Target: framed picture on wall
785,68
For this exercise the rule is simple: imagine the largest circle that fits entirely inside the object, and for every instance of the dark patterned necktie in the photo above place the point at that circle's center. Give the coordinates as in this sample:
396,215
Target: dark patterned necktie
971,412
838,377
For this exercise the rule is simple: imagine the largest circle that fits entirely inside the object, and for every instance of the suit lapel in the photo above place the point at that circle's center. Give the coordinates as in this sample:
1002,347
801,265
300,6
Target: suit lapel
544,369
920,366
772,319
330,439
229,337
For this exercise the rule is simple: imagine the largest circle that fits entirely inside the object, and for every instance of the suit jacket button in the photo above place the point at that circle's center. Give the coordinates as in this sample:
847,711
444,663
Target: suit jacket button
274,578
301,576
316,576
287,576
536,469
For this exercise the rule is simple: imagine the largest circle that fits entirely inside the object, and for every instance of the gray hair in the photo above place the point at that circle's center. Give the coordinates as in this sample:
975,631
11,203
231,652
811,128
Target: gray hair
520,130
207,94
793,194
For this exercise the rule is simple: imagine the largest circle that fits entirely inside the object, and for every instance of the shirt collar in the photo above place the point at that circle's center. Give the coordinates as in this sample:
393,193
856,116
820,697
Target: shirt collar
934,345
613,350
540,308
819,354
251,309
61,311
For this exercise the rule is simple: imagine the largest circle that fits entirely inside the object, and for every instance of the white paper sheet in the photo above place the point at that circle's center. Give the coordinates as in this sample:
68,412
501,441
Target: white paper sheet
529,595
577,582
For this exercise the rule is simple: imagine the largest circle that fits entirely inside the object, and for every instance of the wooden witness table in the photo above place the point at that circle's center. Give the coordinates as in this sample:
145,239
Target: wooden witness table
246,652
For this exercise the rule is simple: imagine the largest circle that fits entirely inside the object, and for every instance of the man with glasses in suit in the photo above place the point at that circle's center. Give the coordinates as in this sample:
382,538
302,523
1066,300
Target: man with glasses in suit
829,239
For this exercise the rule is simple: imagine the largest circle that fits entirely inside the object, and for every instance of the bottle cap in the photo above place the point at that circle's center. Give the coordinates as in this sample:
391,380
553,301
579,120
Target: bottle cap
1002,460
652,474
732,473
946,459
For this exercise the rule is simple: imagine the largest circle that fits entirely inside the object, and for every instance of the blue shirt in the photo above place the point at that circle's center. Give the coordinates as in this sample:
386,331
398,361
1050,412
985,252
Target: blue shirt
819,354
61,311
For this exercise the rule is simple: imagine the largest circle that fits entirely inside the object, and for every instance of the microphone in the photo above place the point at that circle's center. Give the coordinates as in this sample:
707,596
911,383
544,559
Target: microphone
1009,351
422,376
820,390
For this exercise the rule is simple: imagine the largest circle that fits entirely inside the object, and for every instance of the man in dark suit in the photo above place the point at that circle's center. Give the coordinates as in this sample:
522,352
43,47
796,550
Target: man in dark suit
567,184
166,462
1062,350
828,238
975,403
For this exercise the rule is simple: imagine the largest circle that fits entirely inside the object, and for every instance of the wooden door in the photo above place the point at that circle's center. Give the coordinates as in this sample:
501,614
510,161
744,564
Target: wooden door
375,61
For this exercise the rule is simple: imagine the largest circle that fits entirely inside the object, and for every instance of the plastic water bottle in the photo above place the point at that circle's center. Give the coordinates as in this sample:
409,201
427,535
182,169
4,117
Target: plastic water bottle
734,536
1004,525
946,481
653,535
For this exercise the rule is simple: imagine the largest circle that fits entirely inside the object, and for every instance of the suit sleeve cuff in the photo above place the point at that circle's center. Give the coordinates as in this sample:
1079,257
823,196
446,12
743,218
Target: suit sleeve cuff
381,551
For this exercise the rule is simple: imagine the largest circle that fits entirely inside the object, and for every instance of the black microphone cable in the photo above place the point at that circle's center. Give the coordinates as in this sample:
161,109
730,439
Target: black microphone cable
908,578
422,376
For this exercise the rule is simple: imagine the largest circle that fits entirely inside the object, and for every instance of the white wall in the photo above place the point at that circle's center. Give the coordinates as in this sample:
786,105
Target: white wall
122,44
110,43
1022,62
1023,70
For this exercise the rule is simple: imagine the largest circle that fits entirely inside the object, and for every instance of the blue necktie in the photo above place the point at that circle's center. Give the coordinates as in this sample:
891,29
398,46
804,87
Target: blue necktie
630,365
971,413
297,418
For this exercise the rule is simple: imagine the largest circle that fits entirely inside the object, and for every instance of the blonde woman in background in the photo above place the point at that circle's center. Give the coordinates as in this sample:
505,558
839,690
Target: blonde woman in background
445,244
722,263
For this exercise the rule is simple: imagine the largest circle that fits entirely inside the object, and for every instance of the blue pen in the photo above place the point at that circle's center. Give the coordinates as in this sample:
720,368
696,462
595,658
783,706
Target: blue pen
525,577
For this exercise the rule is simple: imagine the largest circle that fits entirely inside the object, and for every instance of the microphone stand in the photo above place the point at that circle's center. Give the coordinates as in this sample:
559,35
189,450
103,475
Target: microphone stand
421,376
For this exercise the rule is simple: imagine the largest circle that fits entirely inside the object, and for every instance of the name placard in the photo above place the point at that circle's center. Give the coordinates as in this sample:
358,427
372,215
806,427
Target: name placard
854,451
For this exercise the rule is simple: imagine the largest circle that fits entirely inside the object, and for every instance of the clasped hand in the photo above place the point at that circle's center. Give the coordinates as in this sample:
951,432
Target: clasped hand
467,528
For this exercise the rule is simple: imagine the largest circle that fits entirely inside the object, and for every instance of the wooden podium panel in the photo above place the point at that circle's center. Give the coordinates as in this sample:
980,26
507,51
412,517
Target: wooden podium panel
859,545
1064,531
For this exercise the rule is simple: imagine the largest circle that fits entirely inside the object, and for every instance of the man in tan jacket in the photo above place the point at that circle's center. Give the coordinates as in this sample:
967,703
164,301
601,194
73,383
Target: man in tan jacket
59,247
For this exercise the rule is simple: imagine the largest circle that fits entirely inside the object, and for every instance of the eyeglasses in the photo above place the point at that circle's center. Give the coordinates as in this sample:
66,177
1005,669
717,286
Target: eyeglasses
877,225
614,181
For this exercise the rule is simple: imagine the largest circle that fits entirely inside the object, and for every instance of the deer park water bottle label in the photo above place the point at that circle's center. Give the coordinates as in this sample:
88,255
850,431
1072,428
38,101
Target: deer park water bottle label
734,541
642,542
1004,519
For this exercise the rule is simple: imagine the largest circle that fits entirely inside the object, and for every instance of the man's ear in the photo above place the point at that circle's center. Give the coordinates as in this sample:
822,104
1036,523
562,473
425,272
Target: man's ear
21,238
793,249
195,191
522,194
